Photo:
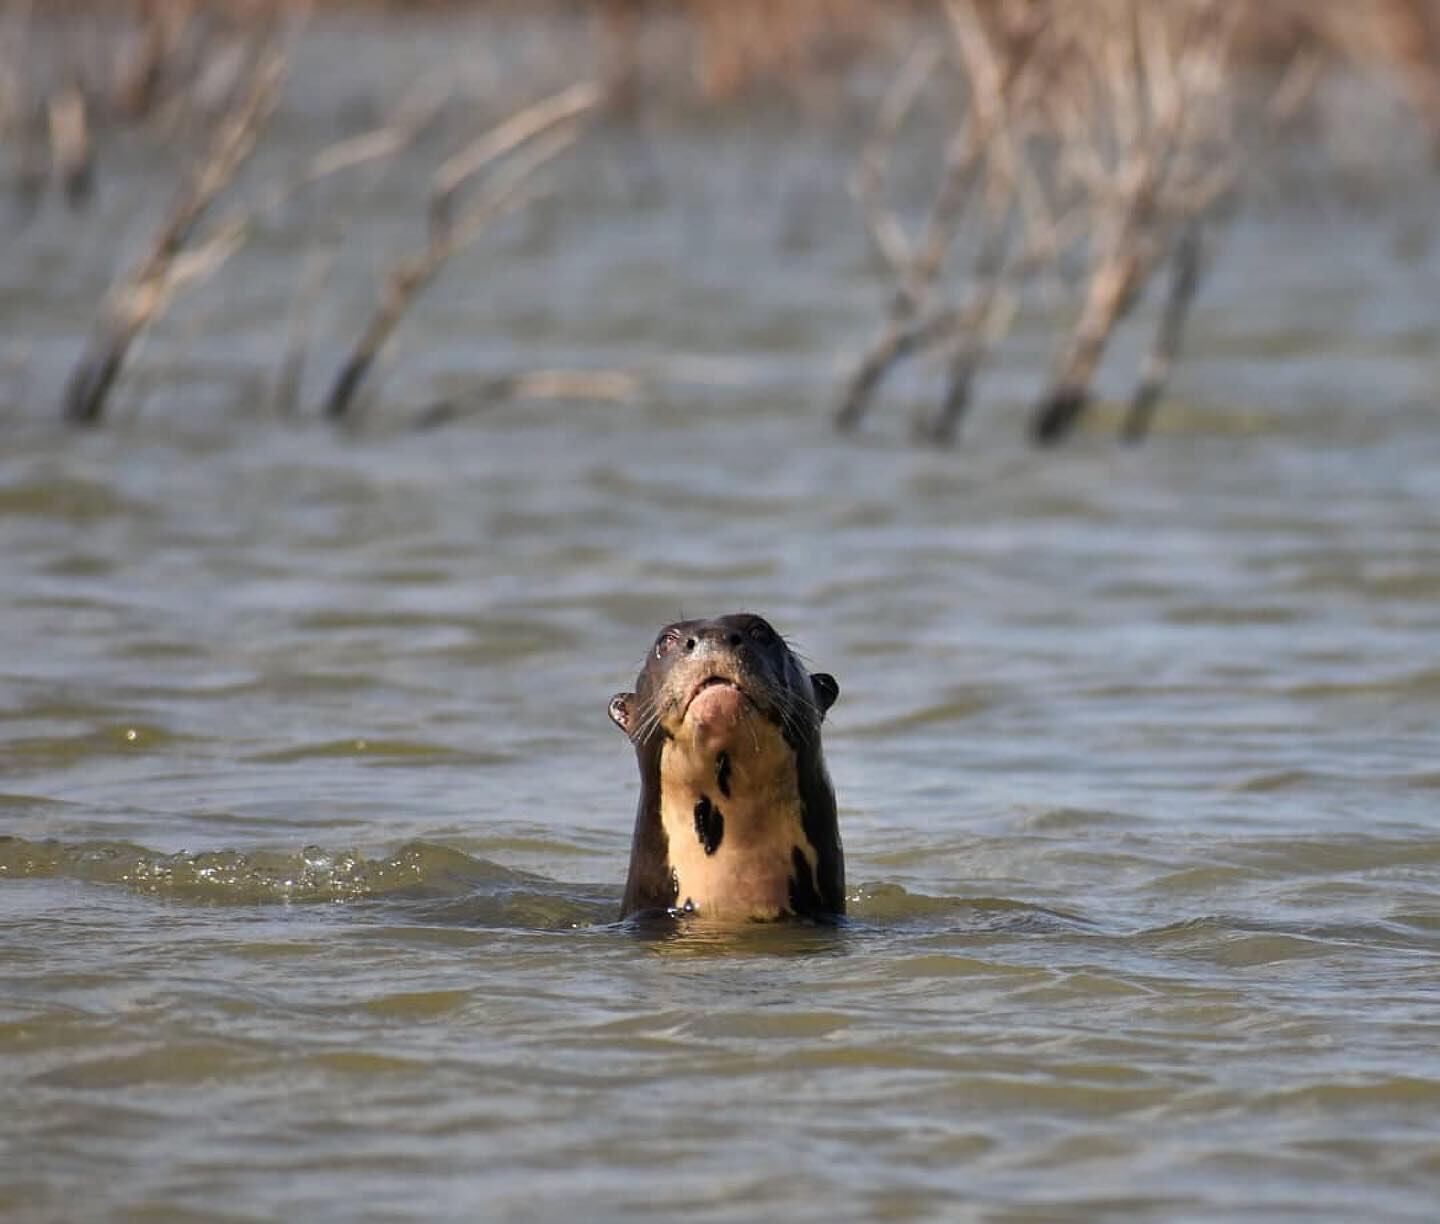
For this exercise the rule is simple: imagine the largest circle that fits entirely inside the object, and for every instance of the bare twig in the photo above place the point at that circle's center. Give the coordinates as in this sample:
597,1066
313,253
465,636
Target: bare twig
236,227
1297,85
413,273
1096,135
461,167
71,148
285,393
975,329
156,282
991,68
142,74
1184,280
413,115
868,183
135,303
900,340
1160,83
593,386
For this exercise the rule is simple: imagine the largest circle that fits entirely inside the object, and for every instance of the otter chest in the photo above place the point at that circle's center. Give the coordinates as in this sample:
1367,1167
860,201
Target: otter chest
736,846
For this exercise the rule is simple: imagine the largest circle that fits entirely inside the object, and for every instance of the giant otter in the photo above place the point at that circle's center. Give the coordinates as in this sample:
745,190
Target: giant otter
736,816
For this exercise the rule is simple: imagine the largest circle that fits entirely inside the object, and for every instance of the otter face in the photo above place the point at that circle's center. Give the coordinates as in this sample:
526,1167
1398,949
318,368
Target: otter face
726,723
704,679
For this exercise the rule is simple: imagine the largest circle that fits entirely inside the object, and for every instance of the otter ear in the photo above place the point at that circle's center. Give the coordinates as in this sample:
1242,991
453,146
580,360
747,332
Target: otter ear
827,688
620,710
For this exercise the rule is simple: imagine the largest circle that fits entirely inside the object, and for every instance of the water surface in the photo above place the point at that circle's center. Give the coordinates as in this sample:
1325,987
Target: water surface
315,824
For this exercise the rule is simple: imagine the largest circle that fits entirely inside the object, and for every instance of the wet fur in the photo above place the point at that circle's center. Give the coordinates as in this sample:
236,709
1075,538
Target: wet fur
738,823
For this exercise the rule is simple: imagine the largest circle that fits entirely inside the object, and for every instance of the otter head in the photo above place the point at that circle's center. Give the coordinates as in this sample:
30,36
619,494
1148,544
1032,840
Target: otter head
737,817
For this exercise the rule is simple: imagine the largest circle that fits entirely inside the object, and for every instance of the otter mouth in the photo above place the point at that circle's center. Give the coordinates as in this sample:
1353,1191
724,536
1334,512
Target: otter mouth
708,683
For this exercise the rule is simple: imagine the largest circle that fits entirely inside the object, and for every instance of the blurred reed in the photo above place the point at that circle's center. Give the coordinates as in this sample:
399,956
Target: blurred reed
1088,150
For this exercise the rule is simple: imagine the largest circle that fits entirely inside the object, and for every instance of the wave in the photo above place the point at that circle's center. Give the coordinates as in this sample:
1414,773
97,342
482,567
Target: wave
418,871
443,885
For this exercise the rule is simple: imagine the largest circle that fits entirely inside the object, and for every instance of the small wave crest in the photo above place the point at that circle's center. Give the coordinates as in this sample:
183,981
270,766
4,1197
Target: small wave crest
466,886
886,904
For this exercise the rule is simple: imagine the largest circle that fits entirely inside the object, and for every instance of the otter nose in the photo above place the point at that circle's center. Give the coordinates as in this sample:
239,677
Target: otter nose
711,637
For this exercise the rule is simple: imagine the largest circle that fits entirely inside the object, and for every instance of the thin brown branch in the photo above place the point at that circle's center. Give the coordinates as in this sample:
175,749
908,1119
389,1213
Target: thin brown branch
587,386
505,137
1158,115
1155,373
975,330
299,322
410,275
991,66
868,182
71,147
901,339
134,304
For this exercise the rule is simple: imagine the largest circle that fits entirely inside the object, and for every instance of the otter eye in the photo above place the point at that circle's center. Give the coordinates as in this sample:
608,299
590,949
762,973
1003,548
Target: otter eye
666,643
762,633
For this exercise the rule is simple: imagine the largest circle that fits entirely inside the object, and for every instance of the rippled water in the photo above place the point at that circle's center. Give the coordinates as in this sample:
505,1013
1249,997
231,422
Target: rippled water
315,824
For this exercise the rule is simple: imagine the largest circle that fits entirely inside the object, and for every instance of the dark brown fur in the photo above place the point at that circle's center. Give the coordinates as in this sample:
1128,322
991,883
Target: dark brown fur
767,755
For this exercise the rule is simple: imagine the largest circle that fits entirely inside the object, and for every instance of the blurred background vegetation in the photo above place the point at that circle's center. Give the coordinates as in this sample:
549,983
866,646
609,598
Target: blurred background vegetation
1005,158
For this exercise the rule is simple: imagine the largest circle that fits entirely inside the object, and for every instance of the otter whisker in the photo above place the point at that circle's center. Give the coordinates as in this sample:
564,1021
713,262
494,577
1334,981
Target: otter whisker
647,719
799,715
646,728
800,653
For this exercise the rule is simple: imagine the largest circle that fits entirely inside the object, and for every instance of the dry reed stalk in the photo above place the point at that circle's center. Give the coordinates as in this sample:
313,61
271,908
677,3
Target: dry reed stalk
461,167
1297,85
1097,136
159,283
1147,156
412,117
1021,234
993,62
548,127
285,391
140,74
897,342
1160,360
867,184
135,303
978,325
590,386
71,148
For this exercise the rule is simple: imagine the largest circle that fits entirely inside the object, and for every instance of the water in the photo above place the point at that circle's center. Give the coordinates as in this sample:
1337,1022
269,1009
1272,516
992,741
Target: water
316,824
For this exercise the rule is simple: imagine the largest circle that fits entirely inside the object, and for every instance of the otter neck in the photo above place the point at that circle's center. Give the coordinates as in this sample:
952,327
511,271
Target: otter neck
734,820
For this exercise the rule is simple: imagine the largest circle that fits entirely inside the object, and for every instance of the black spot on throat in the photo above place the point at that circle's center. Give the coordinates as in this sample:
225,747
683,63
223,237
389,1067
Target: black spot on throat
722,773
709,824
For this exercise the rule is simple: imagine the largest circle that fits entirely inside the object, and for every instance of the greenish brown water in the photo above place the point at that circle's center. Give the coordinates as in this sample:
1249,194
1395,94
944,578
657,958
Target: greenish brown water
314,824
